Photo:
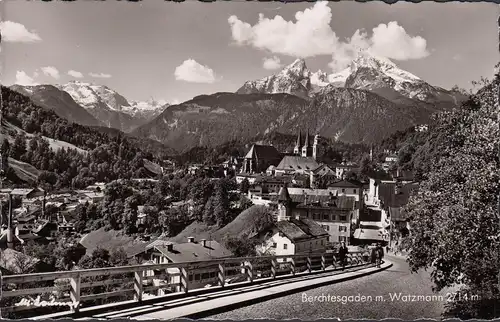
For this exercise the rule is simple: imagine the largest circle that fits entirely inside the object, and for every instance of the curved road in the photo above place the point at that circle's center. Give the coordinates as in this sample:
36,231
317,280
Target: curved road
394,280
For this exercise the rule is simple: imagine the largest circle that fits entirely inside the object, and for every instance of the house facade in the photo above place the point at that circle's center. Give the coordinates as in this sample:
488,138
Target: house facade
292,236
163,252
332,212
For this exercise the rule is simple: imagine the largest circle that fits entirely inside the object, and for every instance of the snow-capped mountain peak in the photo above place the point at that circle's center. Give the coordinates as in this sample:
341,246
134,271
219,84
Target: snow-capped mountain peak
293,79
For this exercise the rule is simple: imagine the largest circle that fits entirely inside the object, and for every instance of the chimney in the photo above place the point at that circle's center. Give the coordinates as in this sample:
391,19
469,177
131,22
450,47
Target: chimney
170,247
190,239
203,242
10,229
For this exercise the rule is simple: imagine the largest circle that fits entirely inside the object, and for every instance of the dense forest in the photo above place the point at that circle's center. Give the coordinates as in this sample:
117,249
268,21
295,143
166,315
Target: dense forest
107,155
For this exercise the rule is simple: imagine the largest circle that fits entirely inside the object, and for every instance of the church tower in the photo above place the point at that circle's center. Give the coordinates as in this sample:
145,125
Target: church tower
318,150
306,147
298,145
284,204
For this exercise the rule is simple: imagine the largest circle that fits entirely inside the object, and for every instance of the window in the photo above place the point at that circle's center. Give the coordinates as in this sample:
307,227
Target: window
326,217
342,228
274,245
316,216
343,190
354,190
285,246
298,246
196,277
212,274
342,239
322,242
190,277
204,276
343,218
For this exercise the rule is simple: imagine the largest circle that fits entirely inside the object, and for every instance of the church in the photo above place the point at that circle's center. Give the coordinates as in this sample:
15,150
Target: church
306,149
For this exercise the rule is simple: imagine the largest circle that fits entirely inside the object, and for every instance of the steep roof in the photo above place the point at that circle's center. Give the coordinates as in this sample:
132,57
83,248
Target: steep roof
297,163
296,230
186,252
265,152
283,195
347,184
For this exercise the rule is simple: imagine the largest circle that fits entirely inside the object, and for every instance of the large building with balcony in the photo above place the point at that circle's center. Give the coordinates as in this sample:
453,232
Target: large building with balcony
332,212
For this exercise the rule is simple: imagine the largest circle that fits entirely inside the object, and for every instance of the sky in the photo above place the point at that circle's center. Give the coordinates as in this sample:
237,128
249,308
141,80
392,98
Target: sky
175,51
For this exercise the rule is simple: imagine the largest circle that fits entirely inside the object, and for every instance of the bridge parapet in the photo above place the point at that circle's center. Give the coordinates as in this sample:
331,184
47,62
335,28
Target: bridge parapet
44,293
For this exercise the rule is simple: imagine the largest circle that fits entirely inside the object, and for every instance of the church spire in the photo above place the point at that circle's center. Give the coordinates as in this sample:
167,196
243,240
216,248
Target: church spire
298,145
306,143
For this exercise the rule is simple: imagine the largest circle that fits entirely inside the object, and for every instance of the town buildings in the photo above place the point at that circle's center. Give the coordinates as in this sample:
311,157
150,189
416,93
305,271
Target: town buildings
292,236
163,252
331,211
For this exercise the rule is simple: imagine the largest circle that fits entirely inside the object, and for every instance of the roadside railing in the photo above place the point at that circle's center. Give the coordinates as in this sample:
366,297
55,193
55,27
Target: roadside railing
44,293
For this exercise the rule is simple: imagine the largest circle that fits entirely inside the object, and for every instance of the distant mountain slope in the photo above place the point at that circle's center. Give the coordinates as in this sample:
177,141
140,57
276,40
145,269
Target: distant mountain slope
24,171
71,154
350,115
210,120
112,108
59,101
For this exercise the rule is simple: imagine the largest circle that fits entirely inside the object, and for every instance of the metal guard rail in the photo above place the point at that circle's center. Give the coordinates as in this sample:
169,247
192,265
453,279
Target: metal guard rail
223,271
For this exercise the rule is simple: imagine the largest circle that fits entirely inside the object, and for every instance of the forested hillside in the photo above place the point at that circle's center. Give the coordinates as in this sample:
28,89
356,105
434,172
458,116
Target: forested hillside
110,154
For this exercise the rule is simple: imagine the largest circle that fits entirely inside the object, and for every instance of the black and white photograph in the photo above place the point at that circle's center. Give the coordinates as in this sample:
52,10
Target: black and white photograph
234,160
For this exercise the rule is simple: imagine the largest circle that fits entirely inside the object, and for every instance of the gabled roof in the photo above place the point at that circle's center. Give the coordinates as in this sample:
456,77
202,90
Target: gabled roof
297,163
264,152
187,252
301,229
321,167
283,194
347,184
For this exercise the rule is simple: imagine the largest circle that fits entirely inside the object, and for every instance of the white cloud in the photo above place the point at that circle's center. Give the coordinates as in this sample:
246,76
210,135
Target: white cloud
99,75
75,74
392,41
24,79
311,35
16,32
51,71
456,57
272,63
192,71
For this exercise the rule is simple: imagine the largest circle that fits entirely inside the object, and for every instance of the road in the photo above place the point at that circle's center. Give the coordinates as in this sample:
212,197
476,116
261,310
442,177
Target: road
379,286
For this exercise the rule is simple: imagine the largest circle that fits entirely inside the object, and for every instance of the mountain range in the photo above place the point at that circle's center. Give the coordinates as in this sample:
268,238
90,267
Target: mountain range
364,103
95,105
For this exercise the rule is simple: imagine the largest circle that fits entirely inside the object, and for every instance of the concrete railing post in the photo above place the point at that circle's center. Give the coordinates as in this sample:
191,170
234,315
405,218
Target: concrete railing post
75,283
323,263
274,267
309,264
184,279
222,274
138,277
249,269
292,266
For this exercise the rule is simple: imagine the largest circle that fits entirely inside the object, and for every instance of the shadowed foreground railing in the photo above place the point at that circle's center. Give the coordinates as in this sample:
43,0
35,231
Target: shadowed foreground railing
44,293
